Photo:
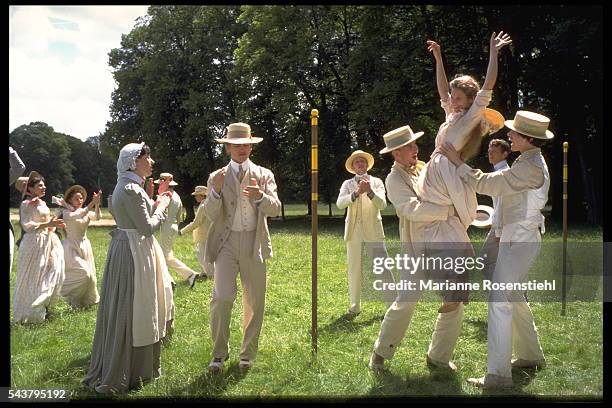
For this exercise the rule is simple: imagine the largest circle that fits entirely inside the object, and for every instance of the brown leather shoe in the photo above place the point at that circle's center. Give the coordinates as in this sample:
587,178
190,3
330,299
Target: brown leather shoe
537,364
492,382
450,366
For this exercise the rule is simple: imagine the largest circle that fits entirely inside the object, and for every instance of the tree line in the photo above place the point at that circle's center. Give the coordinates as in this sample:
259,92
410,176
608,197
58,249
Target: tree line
183,73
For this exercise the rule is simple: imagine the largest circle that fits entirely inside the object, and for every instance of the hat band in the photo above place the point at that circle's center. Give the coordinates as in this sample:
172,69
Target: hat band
238,134
396,142
529,127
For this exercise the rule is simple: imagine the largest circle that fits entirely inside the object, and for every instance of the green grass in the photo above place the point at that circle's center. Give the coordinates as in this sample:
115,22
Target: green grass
56,354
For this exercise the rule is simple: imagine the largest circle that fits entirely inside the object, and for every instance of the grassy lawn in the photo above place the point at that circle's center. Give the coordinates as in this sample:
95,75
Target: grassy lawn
56,353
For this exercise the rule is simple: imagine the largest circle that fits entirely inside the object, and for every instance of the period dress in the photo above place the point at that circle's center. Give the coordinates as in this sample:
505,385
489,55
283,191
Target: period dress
80,283
136,308
40,265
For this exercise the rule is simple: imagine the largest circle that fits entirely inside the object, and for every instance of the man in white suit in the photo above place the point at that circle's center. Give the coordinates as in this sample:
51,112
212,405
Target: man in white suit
242,195
364,196
169,231
524,188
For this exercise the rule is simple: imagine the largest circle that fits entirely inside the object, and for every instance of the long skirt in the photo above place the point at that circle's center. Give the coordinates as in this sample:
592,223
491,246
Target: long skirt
116,365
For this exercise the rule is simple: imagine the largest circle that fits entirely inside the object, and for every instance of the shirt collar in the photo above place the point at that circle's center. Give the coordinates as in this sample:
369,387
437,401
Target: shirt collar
236,166
134,177
364,176
500,165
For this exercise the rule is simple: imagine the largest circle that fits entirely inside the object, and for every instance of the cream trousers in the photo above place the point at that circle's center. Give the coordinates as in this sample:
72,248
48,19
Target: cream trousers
236,257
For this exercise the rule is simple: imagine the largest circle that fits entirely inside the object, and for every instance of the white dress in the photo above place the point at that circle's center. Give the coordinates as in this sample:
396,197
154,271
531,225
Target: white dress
40,266
80,283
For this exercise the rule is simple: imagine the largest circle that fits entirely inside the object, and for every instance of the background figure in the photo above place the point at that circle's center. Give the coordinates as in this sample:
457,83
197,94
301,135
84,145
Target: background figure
199,227
242,195
40,265
498,151
136,310
365,197
169,231
80,283
16,169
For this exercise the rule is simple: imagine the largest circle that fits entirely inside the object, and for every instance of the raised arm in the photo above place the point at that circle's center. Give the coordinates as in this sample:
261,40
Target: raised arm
16,168
441,79
496,43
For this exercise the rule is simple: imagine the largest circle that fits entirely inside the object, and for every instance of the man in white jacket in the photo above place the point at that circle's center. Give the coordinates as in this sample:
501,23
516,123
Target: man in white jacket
364,196
524,188
199,228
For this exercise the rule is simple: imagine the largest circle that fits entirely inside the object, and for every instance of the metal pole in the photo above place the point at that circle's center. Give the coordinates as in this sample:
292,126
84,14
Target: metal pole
314,167
563,285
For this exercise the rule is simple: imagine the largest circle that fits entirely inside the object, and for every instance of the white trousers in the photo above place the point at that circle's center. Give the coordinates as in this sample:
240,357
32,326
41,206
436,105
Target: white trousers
397,319
355,269
510,318
167,236
489,252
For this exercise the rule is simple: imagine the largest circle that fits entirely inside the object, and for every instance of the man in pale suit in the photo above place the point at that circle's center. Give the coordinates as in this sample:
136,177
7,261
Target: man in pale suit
169,231
199,228
524,188
413,216
498,151
241,197
365,197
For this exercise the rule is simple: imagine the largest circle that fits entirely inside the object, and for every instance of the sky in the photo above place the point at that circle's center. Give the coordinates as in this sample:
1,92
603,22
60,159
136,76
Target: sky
58,64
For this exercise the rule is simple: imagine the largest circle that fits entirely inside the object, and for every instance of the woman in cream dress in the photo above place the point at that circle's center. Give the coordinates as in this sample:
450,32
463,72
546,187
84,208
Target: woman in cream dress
80,282
40,265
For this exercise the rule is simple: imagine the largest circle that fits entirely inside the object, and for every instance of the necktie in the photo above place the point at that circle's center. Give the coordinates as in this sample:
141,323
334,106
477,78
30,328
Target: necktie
241,174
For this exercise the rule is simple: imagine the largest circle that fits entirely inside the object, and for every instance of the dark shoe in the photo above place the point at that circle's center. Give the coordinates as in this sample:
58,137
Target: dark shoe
245,364
192,280
450,366
202,276
216,365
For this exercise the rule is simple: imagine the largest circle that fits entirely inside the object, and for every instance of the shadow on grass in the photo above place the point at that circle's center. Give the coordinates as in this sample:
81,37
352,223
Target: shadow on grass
347,323
207,384
480,328
436,384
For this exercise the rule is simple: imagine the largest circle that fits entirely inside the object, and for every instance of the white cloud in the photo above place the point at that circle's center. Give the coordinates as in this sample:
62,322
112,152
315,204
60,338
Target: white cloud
71,94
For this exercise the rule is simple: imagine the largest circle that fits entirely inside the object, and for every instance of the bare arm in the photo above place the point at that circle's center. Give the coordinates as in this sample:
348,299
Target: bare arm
496,43
441,79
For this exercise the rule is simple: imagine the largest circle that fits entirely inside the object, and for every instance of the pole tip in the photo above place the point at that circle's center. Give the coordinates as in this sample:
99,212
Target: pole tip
565,146
314,113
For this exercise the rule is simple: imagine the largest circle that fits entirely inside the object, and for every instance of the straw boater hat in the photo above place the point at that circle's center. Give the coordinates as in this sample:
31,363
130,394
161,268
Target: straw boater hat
164,177
484,216
531,124
399,137
358,153
20,184
494,120
74,189
200,190
239,133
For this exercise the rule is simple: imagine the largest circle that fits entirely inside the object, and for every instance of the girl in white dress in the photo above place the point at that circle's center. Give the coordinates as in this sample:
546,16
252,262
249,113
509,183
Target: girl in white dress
40,265
80,283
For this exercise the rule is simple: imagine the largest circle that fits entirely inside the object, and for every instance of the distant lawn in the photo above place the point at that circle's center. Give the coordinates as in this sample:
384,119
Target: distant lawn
56,353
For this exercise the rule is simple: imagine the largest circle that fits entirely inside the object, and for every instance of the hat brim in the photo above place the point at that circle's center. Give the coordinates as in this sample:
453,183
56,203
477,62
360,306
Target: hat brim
349,162
172,183
198,193
240,140
483,222
494,119
547,135
76,187
414,137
